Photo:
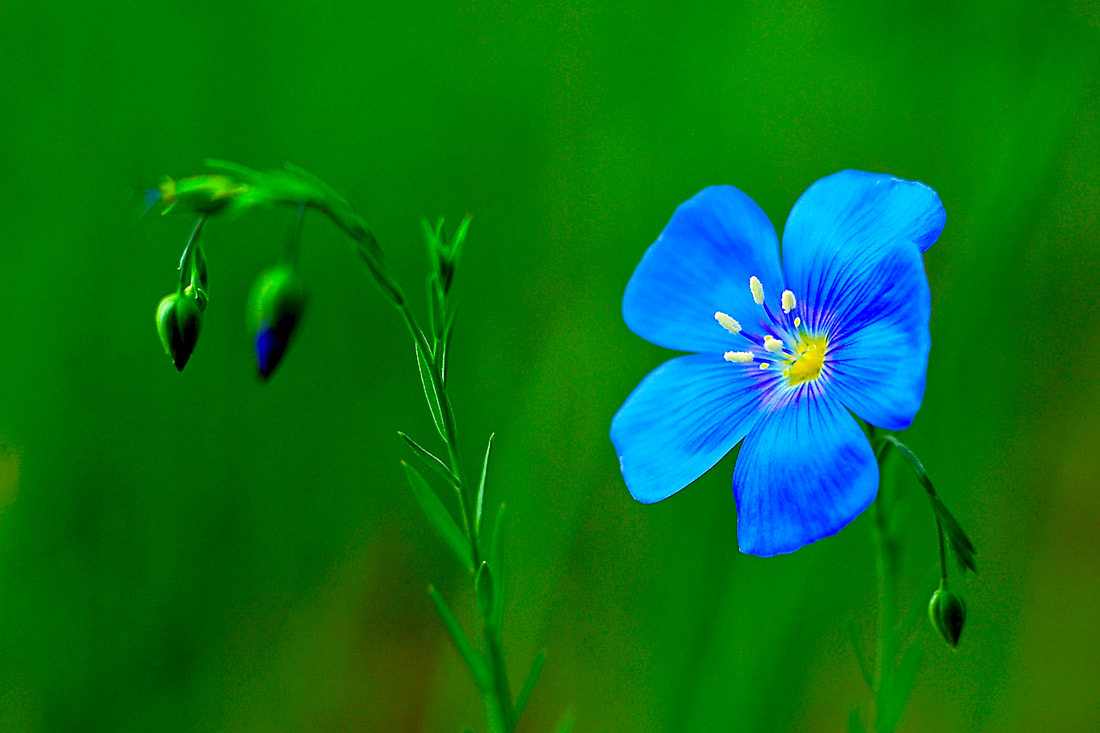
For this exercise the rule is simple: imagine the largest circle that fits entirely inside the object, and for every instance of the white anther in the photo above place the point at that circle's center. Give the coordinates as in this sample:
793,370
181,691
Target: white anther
738,357
788,301
757,290
727,323
772,344
765,365
797,321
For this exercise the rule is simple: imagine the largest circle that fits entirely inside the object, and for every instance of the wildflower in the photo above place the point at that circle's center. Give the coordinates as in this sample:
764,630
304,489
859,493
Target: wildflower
783,351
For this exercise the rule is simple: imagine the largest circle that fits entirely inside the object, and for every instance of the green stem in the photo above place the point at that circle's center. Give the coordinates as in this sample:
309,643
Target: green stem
502,692
887,636
189,254
943,553
499,712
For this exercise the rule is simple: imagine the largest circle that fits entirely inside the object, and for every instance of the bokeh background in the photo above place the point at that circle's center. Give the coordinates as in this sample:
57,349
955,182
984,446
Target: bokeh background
200,551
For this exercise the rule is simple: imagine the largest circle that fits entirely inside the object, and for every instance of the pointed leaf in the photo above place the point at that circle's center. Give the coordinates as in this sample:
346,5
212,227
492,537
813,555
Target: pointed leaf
901,688
496,556
445,344
855,722
244,173
460,238
565,724
529,683
429,459
427,381
481,487
483,589
473,660
857,648
439,517
960,543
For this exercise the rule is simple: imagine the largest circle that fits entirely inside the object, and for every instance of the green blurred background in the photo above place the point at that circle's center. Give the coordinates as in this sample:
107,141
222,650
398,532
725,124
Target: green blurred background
200,551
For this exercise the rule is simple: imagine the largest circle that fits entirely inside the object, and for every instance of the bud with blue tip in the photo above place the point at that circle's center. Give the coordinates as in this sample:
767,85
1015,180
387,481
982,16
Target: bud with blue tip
947,611
179,319
277,301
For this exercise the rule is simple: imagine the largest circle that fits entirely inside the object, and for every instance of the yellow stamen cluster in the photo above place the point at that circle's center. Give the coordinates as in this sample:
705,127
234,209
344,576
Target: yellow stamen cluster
800,353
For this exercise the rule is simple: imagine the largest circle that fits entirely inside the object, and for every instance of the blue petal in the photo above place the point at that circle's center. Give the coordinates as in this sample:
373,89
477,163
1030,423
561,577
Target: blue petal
700,264
877,356
804,472
681,420
845,223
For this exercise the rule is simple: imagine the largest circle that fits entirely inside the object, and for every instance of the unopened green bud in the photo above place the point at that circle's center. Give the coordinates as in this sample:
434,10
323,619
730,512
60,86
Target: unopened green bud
277,301
948,614
179,319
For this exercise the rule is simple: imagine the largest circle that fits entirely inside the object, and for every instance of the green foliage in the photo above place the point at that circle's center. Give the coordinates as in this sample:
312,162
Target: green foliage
960,543
439,517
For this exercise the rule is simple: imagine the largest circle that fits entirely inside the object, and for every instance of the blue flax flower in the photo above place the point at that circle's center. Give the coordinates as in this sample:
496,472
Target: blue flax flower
783,351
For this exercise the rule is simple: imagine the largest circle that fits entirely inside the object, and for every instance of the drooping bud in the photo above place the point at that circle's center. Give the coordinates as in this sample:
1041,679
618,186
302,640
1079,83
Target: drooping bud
179,319
277,301
947,612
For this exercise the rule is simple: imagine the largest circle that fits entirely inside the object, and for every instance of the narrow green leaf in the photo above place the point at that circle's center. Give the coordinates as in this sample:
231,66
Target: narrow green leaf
329,192
439,517
496,556
445,344
481,487
901,688
460,238
430,394
483,589
431,238
473,660
430,459
529,683
960,543
565,724
857,648
244,173
855,721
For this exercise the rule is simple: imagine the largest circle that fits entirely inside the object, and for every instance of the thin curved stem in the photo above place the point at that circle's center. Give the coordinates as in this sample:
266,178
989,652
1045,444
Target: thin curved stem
189,253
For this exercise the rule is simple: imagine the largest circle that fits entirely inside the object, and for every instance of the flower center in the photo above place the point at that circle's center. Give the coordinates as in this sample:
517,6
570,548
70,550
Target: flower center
808,360
787,344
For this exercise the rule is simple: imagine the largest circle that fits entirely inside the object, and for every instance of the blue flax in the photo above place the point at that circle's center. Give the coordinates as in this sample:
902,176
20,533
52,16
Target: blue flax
783,351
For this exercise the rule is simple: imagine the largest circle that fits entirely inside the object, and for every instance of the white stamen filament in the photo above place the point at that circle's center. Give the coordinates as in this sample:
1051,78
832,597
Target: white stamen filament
727,323
738,357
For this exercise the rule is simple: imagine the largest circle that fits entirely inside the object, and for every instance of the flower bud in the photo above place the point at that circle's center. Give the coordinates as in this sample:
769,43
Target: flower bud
948,614
277,301
178,322
202,194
